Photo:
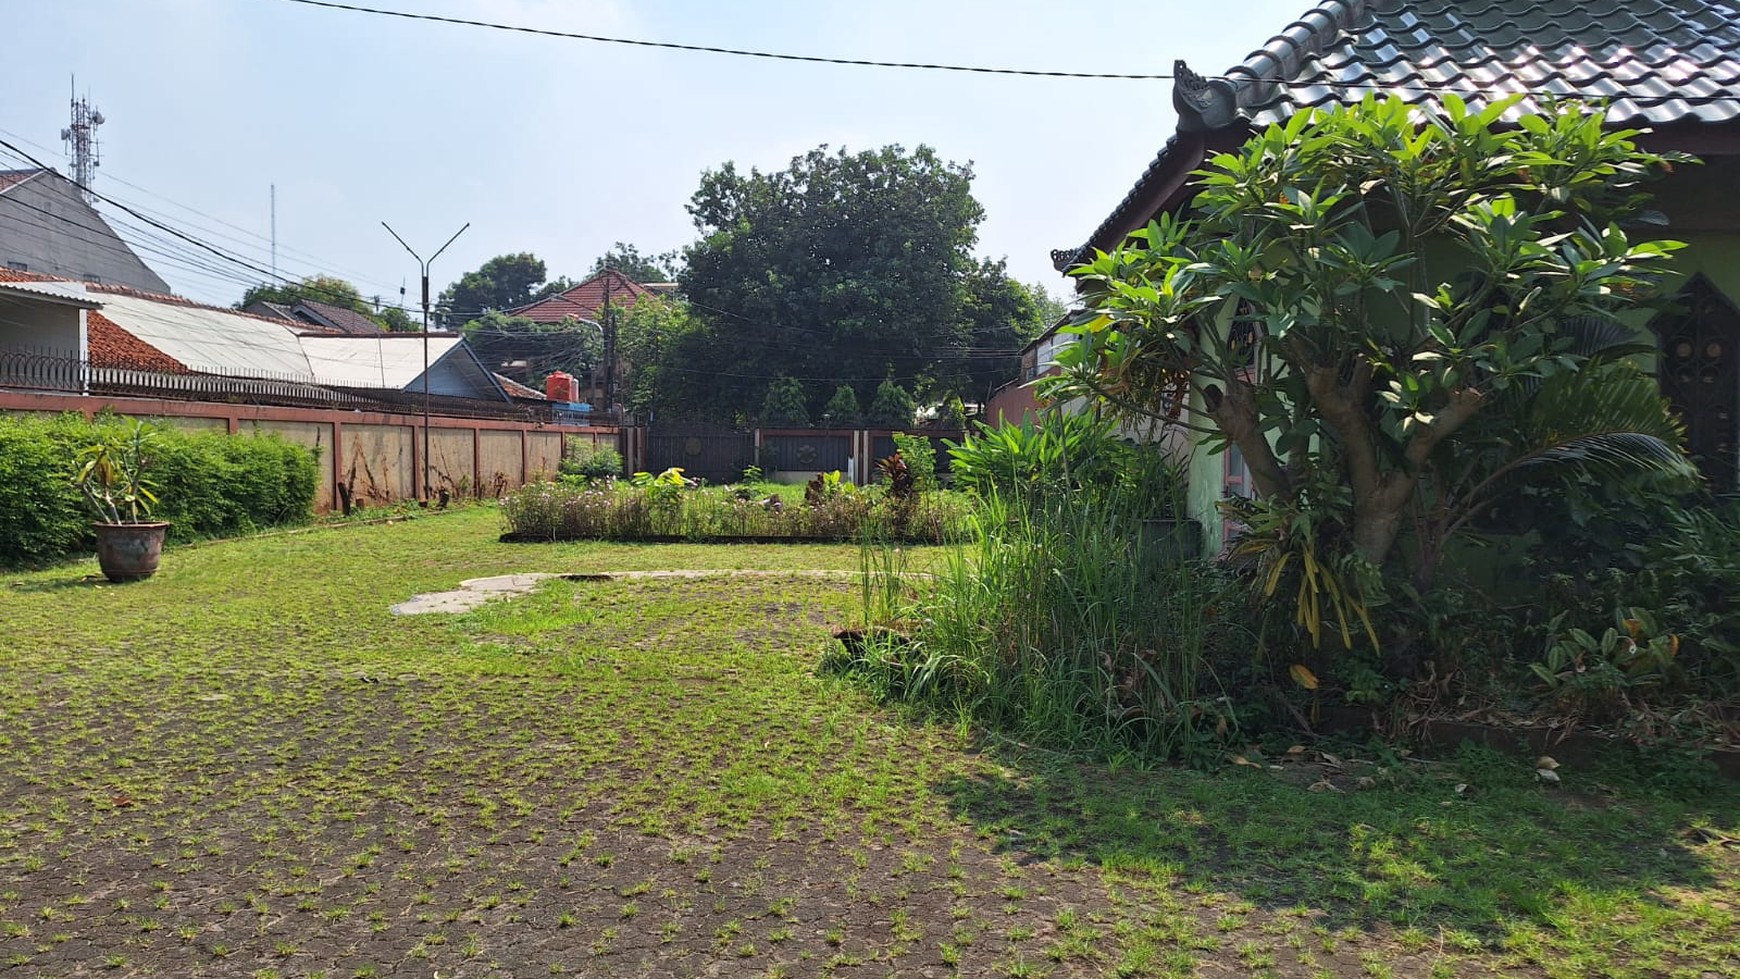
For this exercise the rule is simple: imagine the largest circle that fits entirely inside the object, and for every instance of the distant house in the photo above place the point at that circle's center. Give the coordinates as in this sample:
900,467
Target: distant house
47,227
528,357
51,330
585,301
324,316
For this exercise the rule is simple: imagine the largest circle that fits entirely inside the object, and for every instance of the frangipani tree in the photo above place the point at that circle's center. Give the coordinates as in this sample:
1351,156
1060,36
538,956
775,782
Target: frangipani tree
1412,306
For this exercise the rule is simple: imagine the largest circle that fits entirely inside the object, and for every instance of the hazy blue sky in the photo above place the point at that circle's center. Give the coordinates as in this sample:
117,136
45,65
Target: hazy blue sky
560,147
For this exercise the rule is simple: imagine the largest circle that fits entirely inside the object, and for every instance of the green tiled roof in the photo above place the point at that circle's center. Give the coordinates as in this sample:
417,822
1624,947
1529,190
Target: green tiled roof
1655,62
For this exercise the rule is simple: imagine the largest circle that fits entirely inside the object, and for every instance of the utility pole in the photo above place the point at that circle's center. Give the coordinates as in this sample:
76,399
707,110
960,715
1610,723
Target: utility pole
424,267
609,343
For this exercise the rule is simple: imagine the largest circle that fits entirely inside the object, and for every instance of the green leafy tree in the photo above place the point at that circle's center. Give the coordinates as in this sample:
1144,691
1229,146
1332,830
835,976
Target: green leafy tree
319,288
628,260
395,320
656,343
834,268
500,284
998,316
1397,314
1051,308
842,408
330,291
785,404
893,406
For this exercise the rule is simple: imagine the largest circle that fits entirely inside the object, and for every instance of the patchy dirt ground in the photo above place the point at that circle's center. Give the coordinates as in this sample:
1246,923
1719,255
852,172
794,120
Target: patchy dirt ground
252,768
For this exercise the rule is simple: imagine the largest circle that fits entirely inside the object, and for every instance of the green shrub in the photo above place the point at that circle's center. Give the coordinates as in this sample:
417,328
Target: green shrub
591,461
892,407
657,508
207,484
41,515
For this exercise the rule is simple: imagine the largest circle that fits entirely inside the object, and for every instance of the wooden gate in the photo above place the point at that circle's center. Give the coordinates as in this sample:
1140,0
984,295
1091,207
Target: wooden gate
716,453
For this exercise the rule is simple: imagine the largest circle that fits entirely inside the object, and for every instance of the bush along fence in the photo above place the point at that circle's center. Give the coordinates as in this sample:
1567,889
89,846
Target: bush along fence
206,484
670,507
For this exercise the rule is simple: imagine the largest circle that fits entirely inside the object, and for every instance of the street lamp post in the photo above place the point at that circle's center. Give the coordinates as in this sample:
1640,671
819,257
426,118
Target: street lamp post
424,266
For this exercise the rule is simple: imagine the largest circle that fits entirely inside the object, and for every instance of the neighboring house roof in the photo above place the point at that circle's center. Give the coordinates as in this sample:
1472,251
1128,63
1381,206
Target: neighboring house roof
111,346
12,178
515,389
336,317
586,300
385,360
211,340
46,287
321,315
1657,63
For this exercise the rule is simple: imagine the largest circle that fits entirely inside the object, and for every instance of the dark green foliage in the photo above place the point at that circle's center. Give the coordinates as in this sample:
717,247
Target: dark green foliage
659,507
318,288
920,455
1061,452
893,406
592,462
333,292
207,485
504,282
842,409
627,259
838,269
41,514
785,404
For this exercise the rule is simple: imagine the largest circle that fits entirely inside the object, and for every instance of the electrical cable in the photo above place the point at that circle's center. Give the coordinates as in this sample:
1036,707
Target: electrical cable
734,52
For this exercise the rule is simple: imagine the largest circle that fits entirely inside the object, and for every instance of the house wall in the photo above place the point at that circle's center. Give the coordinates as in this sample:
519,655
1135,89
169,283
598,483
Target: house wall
371,458
451,378
46,226
46,327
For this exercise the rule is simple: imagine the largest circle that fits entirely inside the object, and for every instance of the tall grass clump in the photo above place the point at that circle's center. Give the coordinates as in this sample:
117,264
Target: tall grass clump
1073,617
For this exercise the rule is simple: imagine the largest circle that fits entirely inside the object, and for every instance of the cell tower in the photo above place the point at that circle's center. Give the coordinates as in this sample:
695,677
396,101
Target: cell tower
81,143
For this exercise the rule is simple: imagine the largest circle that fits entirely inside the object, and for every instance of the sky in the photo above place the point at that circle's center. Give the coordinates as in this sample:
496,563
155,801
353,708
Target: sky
561,147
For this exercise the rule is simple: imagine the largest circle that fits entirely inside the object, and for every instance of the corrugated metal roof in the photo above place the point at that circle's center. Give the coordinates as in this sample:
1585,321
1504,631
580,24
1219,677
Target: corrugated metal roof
66,292
1658,61
211,340
383,361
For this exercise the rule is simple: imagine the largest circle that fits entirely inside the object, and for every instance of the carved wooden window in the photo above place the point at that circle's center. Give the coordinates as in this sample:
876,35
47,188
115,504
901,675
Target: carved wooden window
1699,376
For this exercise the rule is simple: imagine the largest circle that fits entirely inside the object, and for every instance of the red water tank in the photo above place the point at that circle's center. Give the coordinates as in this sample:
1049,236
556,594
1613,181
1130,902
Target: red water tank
560,386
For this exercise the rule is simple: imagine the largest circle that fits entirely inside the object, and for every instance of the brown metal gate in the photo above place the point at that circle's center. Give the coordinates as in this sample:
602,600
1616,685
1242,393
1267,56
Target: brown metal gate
716,453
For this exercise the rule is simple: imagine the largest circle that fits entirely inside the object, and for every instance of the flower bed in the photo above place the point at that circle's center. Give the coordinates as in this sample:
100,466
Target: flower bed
569,510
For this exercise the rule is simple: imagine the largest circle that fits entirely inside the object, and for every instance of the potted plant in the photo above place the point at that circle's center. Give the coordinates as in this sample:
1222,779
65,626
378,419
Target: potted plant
111,475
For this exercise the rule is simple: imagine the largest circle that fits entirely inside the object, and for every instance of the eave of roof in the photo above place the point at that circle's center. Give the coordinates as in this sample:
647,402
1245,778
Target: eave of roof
1672,65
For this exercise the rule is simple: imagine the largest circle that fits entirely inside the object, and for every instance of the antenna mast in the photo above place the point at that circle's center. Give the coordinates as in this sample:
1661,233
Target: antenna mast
81,143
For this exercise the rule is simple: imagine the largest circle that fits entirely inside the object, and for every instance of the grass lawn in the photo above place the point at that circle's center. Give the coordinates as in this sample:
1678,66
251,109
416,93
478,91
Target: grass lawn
247,767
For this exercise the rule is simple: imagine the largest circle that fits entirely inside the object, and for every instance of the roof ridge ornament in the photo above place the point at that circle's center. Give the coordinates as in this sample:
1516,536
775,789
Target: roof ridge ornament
1202,103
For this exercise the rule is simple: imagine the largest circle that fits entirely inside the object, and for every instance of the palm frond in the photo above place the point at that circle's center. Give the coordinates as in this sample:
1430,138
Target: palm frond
1604,421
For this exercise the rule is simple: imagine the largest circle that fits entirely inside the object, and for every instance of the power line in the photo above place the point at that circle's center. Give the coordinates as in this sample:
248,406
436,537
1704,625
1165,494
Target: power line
147,216
735,52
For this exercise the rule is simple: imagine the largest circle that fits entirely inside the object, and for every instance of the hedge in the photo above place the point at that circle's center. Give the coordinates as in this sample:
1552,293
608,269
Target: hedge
208,484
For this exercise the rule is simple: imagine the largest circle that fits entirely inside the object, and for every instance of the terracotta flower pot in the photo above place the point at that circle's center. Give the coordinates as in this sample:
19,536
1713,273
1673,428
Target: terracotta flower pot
129,551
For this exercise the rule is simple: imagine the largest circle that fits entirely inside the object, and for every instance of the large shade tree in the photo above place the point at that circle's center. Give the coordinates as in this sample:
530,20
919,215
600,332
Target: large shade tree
840,269
1396,314
503,283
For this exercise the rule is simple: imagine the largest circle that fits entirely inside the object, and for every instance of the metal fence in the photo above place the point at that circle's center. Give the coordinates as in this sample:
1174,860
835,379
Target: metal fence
50,373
